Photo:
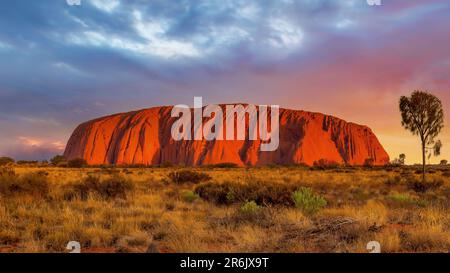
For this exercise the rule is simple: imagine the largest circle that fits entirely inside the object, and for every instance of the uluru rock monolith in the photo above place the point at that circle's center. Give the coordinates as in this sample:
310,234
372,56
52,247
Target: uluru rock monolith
144,137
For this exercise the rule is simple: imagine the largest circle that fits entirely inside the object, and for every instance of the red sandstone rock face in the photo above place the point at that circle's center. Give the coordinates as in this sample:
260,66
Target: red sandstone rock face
144,137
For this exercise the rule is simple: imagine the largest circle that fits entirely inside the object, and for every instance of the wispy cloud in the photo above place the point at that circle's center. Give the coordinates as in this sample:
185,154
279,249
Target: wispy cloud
32,148
106,5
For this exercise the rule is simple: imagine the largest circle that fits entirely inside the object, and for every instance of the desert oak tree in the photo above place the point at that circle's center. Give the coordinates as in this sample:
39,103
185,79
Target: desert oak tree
422,114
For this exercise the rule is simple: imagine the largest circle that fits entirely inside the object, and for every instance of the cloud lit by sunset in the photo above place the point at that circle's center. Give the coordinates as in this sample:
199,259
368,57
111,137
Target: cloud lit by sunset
62,65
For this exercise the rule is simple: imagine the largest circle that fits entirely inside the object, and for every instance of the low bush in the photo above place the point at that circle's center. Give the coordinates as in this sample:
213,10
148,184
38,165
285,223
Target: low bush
424,186
430,171
58,160
308,202
62,165
263,193
77,163
186,176
225,165
32,184
6,161
393,181
115,187
27,162
166,164
324,164
369,163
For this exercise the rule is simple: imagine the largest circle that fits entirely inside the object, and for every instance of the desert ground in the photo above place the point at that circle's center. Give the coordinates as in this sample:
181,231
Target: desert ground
224,209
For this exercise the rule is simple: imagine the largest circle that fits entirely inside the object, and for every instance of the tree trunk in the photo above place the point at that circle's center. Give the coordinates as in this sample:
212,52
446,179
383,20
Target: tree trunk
423,160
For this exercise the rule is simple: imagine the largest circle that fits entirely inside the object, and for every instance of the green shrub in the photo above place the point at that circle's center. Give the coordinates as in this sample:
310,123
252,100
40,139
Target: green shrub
250,207
251,212
186,176
405,199
230,197
401,197
307,201
190,196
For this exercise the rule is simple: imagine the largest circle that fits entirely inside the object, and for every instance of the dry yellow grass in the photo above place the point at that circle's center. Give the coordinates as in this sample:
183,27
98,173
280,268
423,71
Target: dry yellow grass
362,206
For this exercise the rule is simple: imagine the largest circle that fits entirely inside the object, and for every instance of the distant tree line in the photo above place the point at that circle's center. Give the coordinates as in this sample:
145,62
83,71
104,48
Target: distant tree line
57,161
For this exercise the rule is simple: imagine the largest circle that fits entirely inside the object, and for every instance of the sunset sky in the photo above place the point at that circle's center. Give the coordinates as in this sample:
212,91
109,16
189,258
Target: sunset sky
61,65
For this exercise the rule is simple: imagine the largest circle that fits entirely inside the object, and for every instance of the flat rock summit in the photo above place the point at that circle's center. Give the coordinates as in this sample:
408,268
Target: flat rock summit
144,137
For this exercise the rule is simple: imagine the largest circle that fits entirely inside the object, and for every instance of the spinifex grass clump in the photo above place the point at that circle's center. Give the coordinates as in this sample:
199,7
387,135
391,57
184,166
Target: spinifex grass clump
32,184
252,213
308,202
250,208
